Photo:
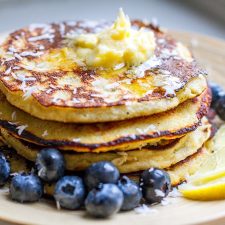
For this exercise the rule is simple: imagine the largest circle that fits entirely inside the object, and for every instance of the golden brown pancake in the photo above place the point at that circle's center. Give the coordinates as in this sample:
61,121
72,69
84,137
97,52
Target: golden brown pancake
179,171
102,137
126,162
40,75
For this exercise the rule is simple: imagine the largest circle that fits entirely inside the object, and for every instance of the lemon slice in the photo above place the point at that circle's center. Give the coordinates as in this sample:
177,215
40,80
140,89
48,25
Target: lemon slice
209,182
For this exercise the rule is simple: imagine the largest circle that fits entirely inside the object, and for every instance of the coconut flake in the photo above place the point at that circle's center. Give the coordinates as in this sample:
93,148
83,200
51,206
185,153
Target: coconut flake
16,67
119,66
159,193
8,71
174,193
62,29
161,41
112,86
13,123
28,92
10,59
75,100
12,49
21,129
144,209
18,56
14,115
154,22
151,63
41,47
47,36
48,91
165,202
58,205
76,140
45,133
29,53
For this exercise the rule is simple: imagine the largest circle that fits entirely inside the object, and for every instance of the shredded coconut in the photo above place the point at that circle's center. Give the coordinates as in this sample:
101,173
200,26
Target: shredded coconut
144,209
165,202
174,193
151,63
14,115
154,22
48,91
18,56
28,92
159,193
10,59
21,129
119,66
28,53
45,133
62,29
13,123
112,86
8,71
58,205
75,100
12,49
41,37
76,140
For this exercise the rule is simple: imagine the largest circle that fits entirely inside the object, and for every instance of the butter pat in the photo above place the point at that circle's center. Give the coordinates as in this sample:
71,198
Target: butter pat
116,45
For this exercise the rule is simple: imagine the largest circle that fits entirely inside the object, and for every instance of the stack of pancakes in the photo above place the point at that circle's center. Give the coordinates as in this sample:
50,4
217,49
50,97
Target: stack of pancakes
152,115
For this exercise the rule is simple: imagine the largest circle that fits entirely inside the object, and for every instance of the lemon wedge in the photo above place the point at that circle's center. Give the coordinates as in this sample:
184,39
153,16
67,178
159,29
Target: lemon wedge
209,182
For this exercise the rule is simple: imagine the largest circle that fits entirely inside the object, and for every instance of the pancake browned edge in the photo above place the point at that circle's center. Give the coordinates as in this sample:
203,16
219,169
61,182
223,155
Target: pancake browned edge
145,158
181,170
178,172
119,136
49,92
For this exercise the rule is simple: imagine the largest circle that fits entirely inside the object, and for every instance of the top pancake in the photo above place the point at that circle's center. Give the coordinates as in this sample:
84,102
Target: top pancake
40,74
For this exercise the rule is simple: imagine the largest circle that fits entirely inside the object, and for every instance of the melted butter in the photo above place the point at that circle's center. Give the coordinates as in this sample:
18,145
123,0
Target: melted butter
58,59
139,87
118,44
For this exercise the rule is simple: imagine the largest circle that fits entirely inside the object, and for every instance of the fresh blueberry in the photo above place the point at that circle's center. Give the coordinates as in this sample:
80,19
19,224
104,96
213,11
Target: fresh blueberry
104,200
26,188
70,192
50,164
155,184
217,93
220,108
101,172
131,192
4,169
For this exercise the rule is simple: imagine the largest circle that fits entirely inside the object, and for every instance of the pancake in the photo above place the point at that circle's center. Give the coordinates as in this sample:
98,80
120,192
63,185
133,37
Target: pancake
178,172
17,162
39,74
181,170
130,161
102,137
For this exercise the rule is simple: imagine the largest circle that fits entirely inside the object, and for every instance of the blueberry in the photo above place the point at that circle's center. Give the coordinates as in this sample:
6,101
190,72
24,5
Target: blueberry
26,188
4,169
155,185
104,200
131,192
220,108
70,192
50,164
101,172
217,93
